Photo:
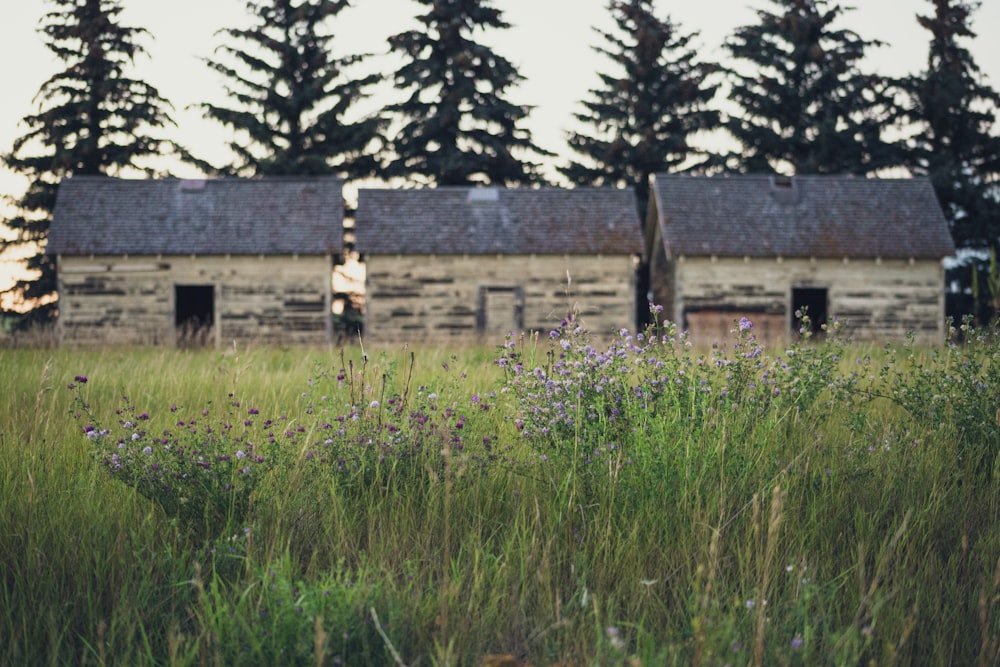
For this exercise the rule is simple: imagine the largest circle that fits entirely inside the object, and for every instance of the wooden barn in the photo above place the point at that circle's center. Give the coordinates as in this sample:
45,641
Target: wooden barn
170,261
475,263
866,251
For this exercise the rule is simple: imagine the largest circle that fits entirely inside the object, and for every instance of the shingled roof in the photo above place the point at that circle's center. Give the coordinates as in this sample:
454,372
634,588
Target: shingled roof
802,216
488,220
272,215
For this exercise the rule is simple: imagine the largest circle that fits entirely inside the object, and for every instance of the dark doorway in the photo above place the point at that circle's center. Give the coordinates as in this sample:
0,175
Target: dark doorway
194,312
809,301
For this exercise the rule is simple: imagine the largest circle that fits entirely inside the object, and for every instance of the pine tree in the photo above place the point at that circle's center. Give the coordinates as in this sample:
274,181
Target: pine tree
456,126
92,119
643,117
955,111
806,107
292,97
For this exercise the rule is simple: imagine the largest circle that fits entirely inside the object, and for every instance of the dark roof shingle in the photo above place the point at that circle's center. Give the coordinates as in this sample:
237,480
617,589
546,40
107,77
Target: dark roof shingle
487,220
270,215
806,216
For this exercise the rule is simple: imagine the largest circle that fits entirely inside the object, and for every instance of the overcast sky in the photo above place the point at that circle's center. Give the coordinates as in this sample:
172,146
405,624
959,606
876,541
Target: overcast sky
550,42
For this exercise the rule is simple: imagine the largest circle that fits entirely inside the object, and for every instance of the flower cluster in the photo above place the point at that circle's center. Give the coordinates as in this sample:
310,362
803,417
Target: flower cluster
585,393
966,394
199,468
204,468
395,436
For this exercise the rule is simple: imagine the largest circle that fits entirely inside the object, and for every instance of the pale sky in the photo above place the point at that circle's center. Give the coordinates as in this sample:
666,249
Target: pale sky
550,43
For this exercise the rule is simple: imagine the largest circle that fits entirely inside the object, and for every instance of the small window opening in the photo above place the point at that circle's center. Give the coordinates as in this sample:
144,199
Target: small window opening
809,303
194,313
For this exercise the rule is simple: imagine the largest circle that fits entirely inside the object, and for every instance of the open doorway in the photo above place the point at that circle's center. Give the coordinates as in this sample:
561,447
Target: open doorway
194,313
811,301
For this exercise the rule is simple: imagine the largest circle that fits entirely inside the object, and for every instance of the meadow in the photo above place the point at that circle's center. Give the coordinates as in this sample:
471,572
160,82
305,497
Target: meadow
550,500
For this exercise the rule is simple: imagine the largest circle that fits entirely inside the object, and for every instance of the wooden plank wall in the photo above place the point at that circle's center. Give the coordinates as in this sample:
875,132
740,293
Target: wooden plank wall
877,299
437,297
661,274
130,300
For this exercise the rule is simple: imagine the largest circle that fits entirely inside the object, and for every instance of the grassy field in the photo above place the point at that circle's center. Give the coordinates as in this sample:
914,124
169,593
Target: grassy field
550,501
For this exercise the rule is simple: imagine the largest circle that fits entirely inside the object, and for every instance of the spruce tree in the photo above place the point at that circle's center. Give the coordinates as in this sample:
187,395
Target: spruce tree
955,112
291,97
644,115
456,127
93,119
805,105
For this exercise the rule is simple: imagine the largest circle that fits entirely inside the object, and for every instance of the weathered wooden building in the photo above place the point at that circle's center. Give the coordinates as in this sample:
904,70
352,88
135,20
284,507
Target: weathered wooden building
168,261
866,251
468,263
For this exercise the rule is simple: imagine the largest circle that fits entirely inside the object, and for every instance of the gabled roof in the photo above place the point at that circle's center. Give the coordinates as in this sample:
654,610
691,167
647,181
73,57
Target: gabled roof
801,216
272,215
487,220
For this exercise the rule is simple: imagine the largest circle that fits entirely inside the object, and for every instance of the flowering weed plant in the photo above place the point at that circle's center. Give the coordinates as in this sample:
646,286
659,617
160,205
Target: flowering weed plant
370,429
201,469
605,396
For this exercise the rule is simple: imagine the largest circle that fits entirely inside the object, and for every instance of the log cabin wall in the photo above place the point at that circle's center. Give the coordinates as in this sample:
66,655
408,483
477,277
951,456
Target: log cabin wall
134,300
662,276
481,298
875,299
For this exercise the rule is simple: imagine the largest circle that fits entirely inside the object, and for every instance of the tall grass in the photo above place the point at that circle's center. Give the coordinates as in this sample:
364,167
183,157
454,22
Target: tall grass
550,501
